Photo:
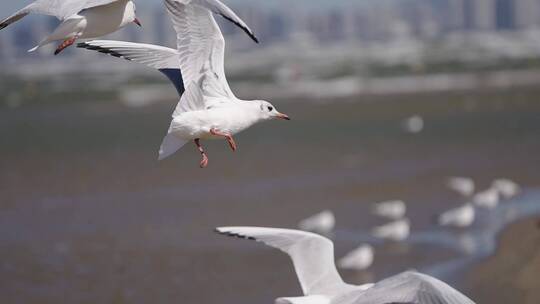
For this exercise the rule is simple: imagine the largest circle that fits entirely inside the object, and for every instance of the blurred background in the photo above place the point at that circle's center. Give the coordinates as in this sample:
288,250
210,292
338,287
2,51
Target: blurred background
389,99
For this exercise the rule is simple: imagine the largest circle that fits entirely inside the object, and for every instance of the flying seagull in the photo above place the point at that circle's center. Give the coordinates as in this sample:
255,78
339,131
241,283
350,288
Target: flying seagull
208,109
313,259
81,19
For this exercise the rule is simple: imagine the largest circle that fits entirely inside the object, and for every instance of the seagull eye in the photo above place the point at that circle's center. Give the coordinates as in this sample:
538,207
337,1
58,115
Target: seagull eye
270,109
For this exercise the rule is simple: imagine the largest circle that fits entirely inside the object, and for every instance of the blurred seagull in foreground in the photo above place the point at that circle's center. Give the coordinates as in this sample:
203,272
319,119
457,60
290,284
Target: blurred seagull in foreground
322,223
313,259
81,19
506,187
458,217
462,185
394,231
359,259
390,209
208,109
487,199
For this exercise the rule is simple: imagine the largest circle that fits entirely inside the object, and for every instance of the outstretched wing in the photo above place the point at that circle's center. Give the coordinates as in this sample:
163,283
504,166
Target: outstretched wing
412,287
312,255
161,58
201,46
57,8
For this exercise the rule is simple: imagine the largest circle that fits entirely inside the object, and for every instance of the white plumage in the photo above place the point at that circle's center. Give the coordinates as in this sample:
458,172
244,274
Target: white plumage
394,231
323,222
487,199
208,109
81,19
507,188
313,260
462,185
359,259
390,209
459,217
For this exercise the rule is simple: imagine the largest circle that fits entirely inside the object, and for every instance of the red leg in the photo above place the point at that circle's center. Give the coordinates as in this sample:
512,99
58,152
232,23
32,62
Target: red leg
204,161
64,45
229,138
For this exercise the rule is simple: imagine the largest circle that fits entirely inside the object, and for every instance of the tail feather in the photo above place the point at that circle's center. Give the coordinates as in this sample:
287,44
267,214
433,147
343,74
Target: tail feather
170,145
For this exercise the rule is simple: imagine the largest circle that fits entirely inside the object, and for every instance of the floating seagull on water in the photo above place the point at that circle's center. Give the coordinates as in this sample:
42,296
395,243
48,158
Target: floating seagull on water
359,259
459,217
81,19
394,231
462,185
208,109
322,223
487,199
506,187
313,259
390,209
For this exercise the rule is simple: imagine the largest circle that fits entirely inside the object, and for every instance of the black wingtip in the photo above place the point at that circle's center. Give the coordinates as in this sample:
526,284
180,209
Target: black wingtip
3,25
82,45
235,235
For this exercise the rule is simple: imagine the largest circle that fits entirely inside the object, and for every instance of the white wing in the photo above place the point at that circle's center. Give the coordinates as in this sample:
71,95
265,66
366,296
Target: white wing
312,255
58,8
158,57
412,287
201,46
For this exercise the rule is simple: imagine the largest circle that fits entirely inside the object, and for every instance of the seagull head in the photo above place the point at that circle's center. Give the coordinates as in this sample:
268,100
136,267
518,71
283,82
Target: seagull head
268,111
131,14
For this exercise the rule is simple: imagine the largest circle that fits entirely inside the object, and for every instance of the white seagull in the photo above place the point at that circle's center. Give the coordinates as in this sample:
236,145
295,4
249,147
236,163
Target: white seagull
359,259
164,59
208,109
394,231
81,19
323,222
507,188
313,259
462,185
390,209
487,199
458,217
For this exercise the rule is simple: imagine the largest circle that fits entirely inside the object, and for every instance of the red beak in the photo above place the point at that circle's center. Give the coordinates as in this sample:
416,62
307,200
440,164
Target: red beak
283,116
137,22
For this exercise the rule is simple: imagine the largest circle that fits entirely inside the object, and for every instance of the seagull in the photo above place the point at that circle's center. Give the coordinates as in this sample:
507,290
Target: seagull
313,259
458,217
507,188
81,19
208,109
390,209
359,259
394,231
462,185
322,223
487,199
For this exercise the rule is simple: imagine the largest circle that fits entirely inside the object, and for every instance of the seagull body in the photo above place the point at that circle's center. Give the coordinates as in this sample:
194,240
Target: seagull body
394,231
391,209
359,259
313,260
462,185
322,223
506,187
487,199
81,19
459,217
208,109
